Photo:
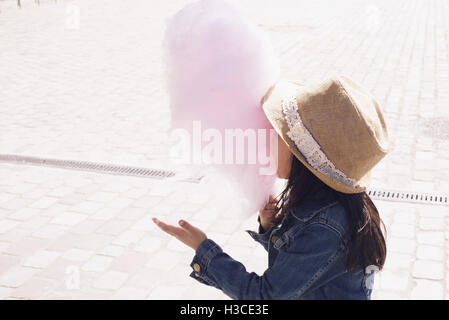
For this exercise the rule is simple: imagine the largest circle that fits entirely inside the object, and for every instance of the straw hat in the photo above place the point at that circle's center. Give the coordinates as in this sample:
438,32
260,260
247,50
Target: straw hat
334,127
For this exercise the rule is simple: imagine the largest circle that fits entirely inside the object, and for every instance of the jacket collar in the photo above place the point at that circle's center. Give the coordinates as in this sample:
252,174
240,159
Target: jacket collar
321,199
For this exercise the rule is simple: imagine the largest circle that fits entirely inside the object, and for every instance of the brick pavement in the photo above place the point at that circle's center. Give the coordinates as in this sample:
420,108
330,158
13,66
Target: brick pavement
91,89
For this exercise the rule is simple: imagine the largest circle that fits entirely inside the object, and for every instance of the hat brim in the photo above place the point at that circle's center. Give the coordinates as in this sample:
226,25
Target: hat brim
272,107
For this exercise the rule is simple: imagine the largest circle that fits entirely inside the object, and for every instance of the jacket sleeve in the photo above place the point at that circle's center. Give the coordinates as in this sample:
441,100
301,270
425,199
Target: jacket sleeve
261,236
304,263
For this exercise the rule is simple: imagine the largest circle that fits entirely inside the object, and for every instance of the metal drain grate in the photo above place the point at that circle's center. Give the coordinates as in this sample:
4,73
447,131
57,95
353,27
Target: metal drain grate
376,194
96,167
415,197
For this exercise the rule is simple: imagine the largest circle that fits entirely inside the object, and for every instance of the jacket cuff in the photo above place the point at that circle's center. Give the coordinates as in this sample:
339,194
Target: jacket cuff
205,252
260,236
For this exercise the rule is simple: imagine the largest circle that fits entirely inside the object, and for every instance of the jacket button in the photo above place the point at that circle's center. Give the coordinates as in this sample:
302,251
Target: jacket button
274,239
196,267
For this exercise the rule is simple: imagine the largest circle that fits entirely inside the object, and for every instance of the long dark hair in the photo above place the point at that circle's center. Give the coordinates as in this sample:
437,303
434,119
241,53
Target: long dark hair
367,245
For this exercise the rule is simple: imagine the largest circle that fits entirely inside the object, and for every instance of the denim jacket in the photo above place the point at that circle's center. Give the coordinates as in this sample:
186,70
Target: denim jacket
306,258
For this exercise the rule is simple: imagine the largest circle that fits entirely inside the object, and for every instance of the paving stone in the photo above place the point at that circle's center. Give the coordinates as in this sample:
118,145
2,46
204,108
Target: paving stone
50,231
64,243
4,245
116,187
427,290
112,251
97,263
206,214
43,203
87,190
69,218
94,241
114,227
424,175
198,292
66,272
161,210
226,225
5,292
403,230
87,226
146,278
427,269
430,253
72,199
422,186
60,191
130,293
24,214
386,295
88,207
55,210
431,224
128,237
36,193
145,224
25,246
15,235
7,261
16,204
394,281
105,214
18,189
131,214
147,201
77,254
41,259
34,223
102,196
149,244
77,181
167,292
163,260
130,262
433,211
135,193
111,280
6,225
35,288
16,276
435,238
176,245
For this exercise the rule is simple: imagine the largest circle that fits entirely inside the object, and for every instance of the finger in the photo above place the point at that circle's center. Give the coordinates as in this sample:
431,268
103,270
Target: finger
187,226
279,216
267,213
271,206
274,201
174,231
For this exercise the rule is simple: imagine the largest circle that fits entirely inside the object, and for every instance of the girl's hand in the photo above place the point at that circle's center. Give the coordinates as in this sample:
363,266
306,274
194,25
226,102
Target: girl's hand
187,234
268,217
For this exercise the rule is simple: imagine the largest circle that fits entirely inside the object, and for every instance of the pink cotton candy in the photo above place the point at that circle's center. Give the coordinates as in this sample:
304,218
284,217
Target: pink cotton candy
218,68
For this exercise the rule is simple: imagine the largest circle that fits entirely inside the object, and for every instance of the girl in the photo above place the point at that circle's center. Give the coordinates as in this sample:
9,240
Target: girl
323,233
